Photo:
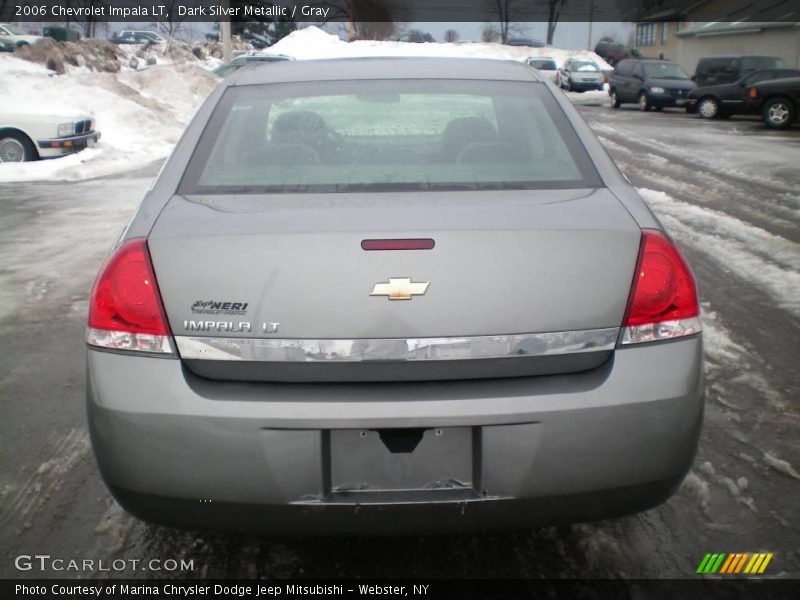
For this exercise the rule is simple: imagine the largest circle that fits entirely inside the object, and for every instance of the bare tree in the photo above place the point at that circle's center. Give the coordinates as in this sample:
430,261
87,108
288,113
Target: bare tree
170,24
86,22
505,12
553,13
490,33
370,20
8,10
451,35
510,14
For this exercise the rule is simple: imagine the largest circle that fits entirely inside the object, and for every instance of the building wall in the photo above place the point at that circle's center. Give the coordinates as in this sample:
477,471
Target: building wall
772,42
666,48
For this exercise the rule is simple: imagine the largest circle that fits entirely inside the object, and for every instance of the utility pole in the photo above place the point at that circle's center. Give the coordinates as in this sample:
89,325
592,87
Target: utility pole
591,17
225,29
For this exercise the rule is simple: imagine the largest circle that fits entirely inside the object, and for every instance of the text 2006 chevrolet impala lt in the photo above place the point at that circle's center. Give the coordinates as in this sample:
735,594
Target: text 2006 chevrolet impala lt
376,295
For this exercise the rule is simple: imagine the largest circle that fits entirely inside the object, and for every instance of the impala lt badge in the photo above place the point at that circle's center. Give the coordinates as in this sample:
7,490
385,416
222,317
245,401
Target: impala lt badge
400,288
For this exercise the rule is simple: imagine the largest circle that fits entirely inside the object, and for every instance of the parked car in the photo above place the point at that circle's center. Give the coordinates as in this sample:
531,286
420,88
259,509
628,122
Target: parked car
530,43
728,99
61,34
416,36
612,52
545,65
240,61
30,136
331,315
649,83
777,100
135,36
16,36
580,75
717,70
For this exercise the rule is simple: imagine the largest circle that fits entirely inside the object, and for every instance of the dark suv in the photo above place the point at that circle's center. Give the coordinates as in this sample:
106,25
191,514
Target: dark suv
726,99
650,83
778,100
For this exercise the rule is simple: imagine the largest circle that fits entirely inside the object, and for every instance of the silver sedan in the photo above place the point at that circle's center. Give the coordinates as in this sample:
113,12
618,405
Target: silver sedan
376,295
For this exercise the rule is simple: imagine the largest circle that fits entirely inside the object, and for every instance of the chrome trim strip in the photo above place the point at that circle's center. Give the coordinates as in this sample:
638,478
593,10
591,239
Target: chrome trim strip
396,349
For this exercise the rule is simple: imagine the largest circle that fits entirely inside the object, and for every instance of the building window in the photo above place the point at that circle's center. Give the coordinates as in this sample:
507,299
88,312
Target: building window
646,34
664,33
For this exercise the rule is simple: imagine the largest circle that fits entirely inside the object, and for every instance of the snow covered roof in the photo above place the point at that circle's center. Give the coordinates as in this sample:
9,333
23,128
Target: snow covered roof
721,28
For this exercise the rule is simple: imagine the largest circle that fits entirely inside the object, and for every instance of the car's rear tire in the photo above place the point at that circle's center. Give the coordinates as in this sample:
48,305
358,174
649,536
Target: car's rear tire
644,102
778,113
708,107
614,99
15,146
658,108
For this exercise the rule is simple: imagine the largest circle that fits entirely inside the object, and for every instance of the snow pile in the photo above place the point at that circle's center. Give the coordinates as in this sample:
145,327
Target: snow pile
94,54
762,257
312,42
140,114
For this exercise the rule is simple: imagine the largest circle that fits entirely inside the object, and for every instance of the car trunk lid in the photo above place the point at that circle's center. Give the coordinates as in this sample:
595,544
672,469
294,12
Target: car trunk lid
279,288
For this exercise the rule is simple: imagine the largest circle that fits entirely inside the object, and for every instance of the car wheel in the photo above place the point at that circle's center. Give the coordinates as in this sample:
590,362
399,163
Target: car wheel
778,113
708,108
21,44
16,147
644,102
614,99
659,108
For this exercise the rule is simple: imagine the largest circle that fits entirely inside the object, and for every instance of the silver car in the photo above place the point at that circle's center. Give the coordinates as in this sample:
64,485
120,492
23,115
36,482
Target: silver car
401,294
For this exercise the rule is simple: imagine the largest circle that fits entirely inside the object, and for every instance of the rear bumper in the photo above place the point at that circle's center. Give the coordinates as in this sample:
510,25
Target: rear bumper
185,451
668,100
587,85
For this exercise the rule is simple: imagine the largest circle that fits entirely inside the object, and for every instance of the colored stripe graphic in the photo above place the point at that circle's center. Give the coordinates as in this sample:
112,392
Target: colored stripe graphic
752,563
717,564
727,564
703,563
741,563
765,563
734,563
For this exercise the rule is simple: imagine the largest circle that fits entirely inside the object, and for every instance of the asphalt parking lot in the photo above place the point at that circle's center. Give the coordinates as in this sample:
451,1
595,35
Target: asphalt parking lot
729,192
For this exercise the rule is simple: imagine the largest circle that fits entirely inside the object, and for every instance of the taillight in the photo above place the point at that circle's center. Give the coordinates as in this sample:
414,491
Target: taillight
663,302
125,311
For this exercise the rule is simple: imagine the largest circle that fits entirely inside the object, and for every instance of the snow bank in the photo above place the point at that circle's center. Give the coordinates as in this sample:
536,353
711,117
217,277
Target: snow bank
140,114
312,42
762,257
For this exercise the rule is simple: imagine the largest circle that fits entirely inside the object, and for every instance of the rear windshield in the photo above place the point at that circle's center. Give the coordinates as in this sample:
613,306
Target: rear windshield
752,63
387,135
544,64
585,65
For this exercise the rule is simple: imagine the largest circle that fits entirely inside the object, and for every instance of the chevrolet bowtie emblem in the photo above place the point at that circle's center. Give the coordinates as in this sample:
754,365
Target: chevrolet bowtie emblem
400,288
